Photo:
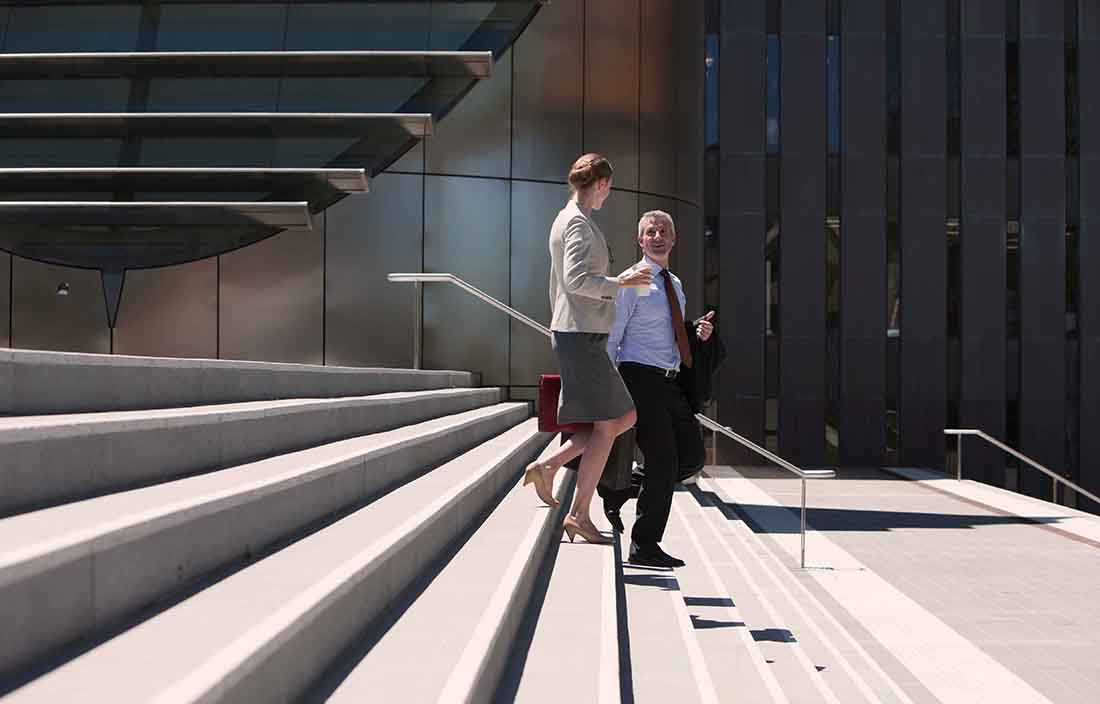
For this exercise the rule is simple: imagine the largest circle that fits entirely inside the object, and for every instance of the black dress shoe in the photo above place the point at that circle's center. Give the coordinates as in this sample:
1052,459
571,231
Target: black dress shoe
615,519
676,562
652,556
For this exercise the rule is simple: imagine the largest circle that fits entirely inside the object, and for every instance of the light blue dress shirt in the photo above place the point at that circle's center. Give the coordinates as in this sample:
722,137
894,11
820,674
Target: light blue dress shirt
642,331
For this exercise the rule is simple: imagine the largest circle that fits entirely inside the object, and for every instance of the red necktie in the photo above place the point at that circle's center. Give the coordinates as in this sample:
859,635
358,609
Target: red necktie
677,320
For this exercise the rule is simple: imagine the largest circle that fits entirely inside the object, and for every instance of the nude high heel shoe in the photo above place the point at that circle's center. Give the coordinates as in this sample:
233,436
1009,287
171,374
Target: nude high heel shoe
573,527
534,475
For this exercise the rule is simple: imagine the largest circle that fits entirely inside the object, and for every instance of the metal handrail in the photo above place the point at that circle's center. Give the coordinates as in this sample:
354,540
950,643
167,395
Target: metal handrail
960,432
419,279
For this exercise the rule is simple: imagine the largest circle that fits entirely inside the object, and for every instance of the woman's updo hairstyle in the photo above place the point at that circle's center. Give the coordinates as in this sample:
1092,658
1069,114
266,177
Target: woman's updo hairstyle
587,170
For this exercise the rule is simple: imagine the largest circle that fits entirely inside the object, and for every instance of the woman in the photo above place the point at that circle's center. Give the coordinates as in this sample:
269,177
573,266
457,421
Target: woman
582,295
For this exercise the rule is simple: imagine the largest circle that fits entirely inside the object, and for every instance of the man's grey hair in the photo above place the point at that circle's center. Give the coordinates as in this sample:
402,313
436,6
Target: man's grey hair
656,215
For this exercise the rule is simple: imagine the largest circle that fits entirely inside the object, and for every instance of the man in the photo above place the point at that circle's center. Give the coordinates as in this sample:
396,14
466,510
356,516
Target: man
650,344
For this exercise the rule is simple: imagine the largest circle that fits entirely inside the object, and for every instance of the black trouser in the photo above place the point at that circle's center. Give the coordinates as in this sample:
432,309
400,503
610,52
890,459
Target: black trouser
668,435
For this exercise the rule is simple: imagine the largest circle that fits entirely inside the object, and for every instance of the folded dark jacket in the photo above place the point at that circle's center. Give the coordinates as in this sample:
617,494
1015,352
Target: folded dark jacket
698,379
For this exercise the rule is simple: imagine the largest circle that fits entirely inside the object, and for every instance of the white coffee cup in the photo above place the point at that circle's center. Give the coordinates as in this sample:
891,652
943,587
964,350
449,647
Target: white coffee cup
641,289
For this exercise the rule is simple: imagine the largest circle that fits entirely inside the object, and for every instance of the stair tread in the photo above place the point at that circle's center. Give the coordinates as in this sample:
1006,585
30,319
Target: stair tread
761,604
577,619
665,663
28,356
732,658
40,539
233,620
60,424
415,658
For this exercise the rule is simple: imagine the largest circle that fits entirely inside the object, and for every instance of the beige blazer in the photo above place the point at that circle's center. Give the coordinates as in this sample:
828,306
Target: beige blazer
582,290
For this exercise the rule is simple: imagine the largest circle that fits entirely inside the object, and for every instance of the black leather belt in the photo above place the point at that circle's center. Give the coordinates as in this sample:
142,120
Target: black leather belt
650,369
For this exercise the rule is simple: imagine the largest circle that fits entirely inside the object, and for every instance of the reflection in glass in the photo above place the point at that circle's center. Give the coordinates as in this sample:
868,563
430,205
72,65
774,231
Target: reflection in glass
832,339
893,280
710,118
832,68
772,106
771,339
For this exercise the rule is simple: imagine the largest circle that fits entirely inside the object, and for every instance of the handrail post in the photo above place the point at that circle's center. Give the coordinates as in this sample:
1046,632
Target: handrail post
959,455
714,444
803,530
1054,490
418,327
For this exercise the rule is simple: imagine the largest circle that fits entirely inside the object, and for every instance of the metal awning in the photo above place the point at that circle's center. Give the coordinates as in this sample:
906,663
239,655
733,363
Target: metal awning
16,3
107,214
215,64
313,185
214,124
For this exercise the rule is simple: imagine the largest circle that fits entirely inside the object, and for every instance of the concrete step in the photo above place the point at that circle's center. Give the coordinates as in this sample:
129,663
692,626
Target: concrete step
732,657
576,646
846,671
72,571
267,632
453,642
666,660
45,460
34,382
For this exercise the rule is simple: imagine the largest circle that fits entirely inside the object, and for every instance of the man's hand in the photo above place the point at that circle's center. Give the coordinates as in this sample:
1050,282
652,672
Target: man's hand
703,327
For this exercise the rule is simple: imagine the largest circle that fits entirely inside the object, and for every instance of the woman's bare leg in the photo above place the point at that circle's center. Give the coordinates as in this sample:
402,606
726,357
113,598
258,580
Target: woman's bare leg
594,460
569,449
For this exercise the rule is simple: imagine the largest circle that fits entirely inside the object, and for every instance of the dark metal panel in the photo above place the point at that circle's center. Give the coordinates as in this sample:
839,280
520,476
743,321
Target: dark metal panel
1089,254
618,220
5,296
659,76
611,86
982,357
744,16
741,322
983,353
802,262
984,17
861,409
803,18
43,320
1042,18
271,296
1042,347
170,312
548,93
1042,252
534,207
803,95
923,236
741,96
1089,322
922,406
466,233
863,17
369,321
474,139
742,227
802,399
688,108
689,256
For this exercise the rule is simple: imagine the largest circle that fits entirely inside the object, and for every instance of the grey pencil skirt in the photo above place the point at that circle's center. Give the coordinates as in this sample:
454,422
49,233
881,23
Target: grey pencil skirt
591,388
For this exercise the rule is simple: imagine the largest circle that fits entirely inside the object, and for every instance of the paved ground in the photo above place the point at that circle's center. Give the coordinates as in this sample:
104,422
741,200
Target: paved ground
1026,596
